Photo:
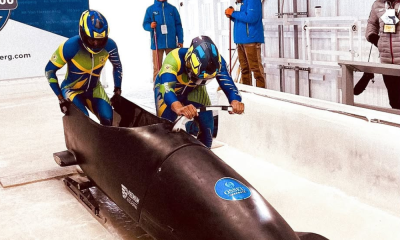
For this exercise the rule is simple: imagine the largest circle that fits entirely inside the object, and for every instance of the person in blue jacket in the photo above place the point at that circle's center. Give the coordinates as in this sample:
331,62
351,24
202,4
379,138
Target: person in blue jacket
85,56
163,22
248,34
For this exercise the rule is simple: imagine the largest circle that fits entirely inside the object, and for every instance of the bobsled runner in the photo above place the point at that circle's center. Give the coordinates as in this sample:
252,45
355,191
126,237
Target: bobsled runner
168,182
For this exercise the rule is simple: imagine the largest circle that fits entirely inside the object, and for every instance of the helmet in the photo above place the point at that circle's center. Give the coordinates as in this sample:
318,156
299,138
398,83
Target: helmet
93,31
202,60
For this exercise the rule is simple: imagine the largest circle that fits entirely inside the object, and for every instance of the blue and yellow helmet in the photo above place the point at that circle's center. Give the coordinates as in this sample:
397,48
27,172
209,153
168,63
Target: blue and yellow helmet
203,61
93,31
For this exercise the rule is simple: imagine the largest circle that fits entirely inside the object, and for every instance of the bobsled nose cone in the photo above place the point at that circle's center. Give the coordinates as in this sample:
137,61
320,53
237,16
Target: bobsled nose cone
200,197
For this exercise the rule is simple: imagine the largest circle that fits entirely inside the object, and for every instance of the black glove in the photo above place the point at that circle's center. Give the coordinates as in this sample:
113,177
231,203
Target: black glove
64,105
116,98
374,38
362,83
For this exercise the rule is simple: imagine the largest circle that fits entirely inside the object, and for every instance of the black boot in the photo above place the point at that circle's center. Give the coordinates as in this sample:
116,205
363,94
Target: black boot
362,83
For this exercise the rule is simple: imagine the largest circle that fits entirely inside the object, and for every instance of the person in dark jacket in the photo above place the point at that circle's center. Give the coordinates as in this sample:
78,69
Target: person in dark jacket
383,30
163,22
248,34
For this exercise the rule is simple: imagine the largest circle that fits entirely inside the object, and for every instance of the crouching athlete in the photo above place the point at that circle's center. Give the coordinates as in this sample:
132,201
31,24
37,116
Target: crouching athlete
180,85
85,56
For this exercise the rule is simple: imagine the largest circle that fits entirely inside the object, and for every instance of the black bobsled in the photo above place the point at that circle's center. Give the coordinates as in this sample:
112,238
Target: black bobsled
168,182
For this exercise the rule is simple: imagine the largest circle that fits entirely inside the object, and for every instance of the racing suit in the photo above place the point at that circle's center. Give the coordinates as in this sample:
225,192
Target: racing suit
81,84
172,84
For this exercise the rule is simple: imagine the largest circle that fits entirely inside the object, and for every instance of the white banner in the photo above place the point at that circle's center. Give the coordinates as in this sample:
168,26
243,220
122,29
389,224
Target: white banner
25,50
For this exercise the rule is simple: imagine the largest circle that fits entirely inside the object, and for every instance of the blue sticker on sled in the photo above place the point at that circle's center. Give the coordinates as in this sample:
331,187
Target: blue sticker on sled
231,189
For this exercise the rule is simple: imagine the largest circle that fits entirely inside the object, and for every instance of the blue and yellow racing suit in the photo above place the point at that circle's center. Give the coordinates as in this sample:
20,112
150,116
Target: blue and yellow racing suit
172,84
82,81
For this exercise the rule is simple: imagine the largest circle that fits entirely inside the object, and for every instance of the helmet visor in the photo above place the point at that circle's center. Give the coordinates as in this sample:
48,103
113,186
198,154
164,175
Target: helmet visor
95,43
199,80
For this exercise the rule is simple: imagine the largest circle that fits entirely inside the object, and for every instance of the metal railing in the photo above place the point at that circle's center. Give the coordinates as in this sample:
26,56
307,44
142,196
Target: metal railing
346,85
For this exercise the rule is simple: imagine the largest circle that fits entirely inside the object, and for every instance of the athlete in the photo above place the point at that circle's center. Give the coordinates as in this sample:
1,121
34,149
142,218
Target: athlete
180,85
85,56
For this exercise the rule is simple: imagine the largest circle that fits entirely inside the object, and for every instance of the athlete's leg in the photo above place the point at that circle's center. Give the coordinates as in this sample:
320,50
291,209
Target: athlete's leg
103,111
100,105
199,98
205,122
76,98
206,125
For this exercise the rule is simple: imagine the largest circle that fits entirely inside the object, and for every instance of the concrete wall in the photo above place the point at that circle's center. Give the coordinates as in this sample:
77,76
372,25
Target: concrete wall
306,136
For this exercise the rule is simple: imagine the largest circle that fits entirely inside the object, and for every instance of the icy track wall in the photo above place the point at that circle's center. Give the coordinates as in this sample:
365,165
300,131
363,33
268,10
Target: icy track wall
327,143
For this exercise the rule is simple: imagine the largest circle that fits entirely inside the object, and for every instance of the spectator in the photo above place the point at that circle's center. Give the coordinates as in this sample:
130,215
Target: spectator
163,22
384,33
248,34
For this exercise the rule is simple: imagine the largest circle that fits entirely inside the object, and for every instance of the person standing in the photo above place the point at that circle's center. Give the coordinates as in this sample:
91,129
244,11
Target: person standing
163,22
85,55
383,30
248,35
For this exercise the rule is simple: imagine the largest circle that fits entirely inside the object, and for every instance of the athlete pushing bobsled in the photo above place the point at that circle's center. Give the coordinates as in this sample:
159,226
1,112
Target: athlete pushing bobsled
85,56
180,85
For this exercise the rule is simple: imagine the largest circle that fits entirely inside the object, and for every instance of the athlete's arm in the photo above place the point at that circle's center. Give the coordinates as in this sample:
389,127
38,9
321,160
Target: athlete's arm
227,85
64,53
112,49
168,79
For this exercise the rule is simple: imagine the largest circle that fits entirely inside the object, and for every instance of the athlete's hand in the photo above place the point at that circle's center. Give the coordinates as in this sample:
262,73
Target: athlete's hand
180,45
153,25
229,11
116,98
64,105
188,111
237,106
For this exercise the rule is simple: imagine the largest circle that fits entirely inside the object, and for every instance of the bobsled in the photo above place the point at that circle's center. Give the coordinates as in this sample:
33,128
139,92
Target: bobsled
168,182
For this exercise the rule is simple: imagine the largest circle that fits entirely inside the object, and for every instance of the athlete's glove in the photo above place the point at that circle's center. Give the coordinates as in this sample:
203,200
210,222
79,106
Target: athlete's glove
180,45
116,98
64,105
153,25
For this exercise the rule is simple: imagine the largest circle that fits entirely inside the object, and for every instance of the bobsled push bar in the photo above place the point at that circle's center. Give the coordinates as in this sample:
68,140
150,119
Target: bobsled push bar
215,107
180,122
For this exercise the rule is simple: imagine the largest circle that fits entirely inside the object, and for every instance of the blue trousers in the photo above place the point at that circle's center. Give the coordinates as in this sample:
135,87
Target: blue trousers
98,105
